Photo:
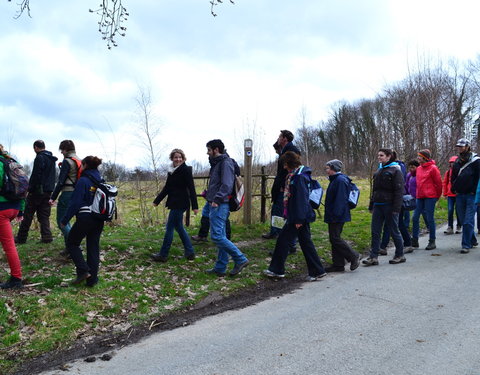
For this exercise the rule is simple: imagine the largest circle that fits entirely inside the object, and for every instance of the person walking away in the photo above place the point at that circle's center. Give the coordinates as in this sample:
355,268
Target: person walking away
298,214
385,205
429,189
42,182
447,192
220,186
69,172
9,210
337,213
465,176
86,224
180,190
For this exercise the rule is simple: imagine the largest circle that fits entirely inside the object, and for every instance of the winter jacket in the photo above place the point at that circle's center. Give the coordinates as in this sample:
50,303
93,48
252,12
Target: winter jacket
411,184
465,182
180,189
429,181
447,184
42,179
337,209
68,175
5,204
388,187
278,183
82,195
299,210
222,176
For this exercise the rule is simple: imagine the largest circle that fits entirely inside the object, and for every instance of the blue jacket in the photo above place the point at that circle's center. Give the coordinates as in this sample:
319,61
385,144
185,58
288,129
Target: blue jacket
299,210
222,177
336,199
82,195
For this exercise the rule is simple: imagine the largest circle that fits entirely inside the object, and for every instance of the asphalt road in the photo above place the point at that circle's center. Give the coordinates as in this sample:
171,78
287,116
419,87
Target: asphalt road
419,317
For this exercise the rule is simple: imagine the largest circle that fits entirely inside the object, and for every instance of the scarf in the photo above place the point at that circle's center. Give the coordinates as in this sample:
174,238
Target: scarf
286,191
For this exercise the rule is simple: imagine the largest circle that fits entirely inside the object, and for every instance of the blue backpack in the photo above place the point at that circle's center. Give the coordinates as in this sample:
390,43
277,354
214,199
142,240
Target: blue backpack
315,191
353,195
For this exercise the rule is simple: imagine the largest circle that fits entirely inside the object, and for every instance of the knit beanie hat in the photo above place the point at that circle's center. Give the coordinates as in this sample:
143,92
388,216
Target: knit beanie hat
335,164
426,154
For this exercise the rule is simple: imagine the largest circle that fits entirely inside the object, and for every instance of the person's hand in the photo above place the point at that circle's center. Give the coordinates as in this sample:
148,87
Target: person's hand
51,202
155,204
18,219
298,226
214,204
195,211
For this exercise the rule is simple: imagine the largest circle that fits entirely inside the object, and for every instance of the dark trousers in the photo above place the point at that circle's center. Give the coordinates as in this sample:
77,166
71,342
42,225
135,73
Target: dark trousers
36,203
383,214
407,240
282,248
91,228
341,250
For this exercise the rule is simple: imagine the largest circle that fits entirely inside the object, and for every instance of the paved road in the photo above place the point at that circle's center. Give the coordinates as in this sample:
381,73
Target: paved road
421,317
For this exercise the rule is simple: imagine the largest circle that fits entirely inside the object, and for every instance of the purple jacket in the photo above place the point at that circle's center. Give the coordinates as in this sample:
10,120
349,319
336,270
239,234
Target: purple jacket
411,185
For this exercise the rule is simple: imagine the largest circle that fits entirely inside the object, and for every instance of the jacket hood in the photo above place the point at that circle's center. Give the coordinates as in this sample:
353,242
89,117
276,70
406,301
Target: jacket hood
214,161
48,154
304,170
94,173
428,163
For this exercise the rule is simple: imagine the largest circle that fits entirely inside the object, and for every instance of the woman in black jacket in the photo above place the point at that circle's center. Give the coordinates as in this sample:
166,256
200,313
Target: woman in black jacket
180,190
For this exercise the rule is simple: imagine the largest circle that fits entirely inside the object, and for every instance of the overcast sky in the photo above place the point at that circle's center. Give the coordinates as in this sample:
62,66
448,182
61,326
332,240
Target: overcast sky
247,72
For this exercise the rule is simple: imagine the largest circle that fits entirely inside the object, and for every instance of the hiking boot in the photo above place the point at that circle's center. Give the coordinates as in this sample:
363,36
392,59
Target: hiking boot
213,271
459,229
382,251
397,260
190,256
315,278
158,258
332,268
355,263
415,242
474,244
370,262
12,283
464,251
269,273
431,245
237,268
19,241
408,250
199,238
269,236
448,231
80,278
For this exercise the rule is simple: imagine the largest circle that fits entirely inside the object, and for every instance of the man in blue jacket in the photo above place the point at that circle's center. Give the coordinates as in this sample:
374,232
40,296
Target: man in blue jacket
220,186
337,213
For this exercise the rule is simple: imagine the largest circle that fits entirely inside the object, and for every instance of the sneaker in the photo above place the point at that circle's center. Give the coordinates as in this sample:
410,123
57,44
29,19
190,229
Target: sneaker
448,231
199,238
158,258
331,269
315,278
459,230
354,265
12,283
431,245
464,251
382,251
397,260
213,271
269,236
370,261
269,273
408,250
190,257
80,278
474,244
415,242
237,268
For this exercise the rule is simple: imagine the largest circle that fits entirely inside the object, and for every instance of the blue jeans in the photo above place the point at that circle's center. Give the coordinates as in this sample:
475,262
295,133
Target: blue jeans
384,214
175,221
424,206
218,218
466,210
62,206
451,211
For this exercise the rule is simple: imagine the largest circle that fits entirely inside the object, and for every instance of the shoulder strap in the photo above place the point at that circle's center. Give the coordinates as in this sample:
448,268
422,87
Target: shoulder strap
474,158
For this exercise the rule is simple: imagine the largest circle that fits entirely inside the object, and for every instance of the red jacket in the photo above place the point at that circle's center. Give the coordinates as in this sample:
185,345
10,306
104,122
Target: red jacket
429,181
447,184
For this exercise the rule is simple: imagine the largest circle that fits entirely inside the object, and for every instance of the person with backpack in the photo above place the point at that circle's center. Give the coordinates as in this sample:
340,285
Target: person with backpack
41,185
180,190
429,190
385,205
298,214
87,224
465,178
337,213
10,209
220,186
70,171
447,193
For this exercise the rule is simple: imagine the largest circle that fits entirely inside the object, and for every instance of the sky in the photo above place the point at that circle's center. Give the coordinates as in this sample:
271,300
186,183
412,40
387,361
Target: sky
247,73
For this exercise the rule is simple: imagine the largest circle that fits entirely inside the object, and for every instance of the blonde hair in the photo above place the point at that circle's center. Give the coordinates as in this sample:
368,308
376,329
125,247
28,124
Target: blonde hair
177,151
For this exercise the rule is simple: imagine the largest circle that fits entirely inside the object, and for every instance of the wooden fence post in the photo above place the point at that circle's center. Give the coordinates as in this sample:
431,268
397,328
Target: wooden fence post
263,198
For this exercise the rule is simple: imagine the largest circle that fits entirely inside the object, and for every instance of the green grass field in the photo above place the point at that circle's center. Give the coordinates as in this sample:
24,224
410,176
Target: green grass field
133,289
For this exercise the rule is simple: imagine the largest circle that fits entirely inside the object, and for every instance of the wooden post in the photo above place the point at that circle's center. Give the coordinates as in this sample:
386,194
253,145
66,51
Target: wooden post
247,175
263,198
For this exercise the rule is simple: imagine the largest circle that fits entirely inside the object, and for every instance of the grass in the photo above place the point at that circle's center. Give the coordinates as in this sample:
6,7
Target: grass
133,289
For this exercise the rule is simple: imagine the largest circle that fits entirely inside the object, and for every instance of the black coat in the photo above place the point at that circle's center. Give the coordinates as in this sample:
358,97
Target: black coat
466,181
388,187
282,173
42,179
180,189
